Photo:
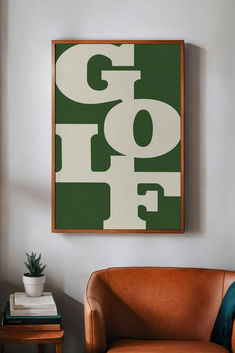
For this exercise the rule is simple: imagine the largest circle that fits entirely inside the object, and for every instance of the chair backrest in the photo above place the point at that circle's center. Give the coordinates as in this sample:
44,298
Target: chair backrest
159,303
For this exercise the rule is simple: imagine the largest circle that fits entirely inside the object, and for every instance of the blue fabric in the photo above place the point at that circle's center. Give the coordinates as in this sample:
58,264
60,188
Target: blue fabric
222,330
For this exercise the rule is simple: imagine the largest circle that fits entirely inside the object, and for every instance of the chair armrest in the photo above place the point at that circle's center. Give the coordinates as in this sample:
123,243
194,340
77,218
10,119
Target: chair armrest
96,341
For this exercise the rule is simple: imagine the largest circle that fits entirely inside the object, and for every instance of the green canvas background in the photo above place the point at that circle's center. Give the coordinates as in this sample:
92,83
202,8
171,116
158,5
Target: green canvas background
86,205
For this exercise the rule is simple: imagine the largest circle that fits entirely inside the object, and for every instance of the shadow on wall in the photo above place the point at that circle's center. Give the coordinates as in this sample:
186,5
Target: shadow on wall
72,320
194,148
194,143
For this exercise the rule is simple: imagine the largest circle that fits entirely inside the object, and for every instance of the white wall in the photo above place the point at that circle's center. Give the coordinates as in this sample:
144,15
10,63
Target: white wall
27,27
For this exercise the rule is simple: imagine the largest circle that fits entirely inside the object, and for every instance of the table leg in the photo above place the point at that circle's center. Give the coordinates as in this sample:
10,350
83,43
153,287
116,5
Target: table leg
40,348
1,347
59,348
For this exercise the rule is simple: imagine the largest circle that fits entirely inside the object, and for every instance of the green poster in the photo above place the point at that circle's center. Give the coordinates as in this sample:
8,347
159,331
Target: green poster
117,136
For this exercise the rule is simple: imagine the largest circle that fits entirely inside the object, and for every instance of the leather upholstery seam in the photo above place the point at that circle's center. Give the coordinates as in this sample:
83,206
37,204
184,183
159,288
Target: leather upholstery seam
91,320
110,319
91,324
223,285
95,300
92,336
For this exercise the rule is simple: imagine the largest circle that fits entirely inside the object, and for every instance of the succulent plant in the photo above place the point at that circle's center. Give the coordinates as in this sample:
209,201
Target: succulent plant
33,265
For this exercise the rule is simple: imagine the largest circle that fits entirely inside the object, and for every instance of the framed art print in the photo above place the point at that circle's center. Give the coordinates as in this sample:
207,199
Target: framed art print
118,136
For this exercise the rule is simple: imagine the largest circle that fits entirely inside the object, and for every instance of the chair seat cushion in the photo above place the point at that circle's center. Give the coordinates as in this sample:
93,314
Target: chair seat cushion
156,346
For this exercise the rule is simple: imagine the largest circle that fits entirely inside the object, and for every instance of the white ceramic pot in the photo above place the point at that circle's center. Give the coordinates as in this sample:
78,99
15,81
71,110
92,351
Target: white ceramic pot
34,285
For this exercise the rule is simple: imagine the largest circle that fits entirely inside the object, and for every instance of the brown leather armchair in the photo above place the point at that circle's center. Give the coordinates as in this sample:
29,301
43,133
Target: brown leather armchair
154,310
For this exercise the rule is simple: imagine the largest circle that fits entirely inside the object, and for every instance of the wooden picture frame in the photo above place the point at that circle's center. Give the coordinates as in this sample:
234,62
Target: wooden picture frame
98,88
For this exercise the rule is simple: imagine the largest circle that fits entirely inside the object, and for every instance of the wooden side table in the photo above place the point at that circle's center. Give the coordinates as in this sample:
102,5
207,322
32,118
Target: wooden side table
36,337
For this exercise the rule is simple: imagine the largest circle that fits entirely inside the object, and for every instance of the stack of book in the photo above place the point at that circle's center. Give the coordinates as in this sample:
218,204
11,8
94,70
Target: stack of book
32,313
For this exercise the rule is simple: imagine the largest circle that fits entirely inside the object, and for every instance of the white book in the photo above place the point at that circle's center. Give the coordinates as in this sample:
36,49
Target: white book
30,312
22,301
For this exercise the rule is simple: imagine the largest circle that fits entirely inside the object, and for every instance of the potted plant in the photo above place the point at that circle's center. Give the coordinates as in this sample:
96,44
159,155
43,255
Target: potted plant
34,279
